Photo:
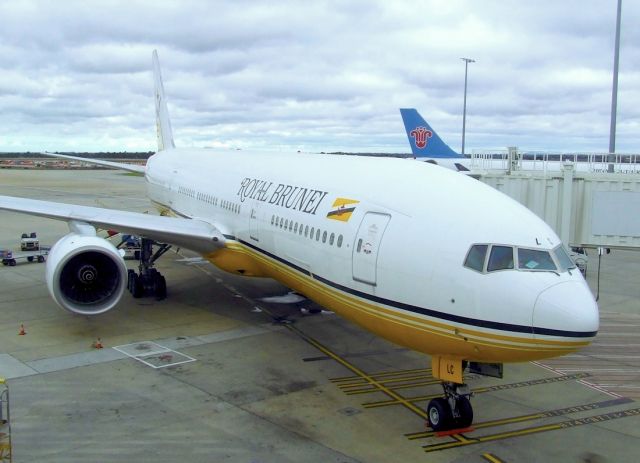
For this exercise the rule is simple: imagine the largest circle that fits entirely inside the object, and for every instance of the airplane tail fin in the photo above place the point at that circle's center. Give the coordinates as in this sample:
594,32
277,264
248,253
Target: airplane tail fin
163,124
424,141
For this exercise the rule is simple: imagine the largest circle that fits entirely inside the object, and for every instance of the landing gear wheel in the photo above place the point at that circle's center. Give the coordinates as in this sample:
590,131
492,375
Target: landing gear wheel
148,281
465,412
160,287
137,288
439,413
131,274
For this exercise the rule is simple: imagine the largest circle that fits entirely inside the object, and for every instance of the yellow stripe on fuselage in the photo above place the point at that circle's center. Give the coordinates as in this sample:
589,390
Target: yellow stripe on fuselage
415,332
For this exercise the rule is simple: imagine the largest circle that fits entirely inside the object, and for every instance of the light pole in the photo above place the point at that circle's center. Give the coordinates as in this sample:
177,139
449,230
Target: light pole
464,109
614,94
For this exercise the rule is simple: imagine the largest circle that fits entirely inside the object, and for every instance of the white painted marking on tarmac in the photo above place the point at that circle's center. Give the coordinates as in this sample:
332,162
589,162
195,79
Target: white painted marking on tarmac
148,351
601,356
598,388
617,370
618,386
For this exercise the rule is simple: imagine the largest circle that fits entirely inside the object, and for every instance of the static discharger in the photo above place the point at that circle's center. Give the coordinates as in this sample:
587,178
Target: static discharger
97,344
22,331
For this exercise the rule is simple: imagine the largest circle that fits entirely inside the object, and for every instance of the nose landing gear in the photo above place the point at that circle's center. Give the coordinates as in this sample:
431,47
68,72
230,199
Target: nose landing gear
453,411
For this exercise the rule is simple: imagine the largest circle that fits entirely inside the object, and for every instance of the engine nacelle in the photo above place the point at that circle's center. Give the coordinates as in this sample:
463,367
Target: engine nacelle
85,274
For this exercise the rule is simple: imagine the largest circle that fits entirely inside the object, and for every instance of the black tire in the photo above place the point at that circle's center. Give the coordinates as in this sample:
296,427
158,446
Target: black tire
4,262
465,412
130,274
439,414
41,259
160,287
12,263
30,258
136,255
137,286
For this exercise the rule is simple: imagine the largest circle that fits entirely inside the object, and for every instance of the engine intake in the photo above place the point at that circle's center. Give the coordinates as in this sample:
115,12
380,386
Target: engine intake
85,274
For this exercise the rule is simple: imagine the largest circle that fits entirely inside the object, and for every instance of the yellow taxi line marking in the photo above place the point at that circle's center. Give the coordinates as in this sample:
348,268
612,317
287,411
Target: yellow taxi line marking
366,390
536,429
383,374
492,458
498,387
533,416
385,381
397,397
325,350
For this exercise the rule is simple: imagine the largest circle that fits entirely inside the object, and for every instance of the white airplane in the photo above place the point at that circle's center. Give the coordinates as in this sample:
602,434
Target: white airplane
426,145
420,255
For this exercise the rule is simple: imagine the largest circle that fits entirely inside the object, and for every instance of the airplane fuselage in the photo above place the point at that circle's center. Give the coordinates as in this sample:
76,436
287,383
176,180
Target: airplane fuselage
383,243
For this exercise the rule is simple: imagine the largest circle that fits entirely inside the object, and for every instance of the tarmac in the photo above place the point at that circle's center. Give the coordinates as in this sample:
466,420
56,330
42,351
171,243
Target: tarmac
215,373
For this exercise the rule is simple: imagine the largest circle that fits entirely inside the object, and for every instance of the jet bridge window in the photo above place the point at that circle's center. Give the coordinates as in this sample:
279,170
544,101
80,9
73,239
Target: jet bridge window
501,258
534,259
475,257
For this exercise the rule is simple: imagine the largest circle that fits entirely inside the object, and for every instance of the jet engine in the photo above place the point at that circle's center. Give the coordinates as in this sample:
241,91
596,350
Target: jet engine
85,274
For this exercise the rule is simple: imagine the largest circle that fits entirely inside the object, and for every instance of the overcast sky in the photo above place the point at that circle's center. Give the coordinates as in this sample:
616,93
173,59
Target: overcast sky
317,76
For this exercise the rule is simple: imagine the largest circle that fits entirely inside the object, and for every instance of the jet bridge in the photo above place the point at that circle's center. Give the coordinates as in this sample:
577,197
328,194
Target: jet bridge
586,209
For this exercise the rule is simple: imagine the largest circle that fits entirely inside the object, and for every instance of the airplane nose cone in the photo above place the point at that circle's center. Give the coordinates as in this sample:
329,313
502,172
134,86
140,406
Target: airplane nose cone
566,307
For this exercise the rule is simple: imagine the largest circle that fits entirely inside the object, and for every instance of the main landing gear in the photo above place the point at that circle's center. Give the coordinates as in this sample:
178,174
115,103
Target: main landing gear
148,282
453,411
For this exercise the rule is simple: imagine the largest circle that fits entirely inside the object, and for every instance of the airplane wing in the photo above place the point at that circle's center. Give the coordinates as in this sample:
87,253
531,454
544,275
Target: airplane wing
193,234
99,162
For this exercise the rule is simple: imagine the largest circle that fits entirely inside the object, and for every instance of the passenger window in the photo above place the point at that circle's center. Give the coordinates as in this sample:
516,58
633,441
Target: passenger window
501,258
475,257
311,233
324,236
534,259
339,241
306,230
291,225
359,245
318,234
281,222
286,224
295,228
272,219
331,238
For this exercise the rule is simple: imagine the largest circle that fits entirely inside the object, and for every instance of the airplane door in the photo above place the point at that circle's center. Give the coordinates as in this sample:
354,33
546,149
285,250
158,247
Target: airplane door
253,222
367,245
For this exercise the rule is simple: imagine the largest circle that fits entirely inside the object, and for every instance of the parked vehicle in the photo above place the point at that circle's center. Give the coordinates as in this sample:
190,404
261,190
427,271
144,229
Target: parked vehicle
29,242
11,258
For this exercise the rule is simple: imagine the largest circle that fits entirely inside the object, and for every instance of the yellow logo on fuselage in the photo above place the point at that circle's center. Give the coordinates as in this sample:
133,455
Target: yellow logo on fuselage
342,209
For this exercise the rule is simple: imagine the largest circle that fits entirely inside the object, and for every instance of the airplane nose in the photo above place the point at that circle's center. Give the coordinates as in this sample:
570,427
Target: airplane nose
566,307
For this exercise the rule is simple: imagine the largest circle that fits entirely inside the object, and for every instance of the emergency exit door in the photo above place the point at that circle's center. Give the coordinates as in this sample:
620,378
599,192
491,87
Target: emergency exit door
367,245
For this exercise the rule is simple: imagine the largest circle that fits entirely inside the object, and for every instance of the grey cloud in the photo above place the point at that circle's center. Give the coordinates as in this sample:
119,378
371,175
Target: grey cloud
320,75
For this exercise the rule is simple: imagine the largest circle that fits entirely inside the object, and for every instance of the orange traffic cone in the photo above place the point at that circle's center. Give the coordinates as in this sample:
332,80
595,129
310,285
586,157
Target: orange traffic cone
98,344
22,332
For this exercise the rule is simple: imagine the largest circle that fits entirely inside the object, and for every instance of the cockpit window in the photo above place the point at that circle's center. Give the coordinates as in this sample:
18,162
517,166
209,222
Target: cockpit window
475,257
534,259
563,259
501,258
